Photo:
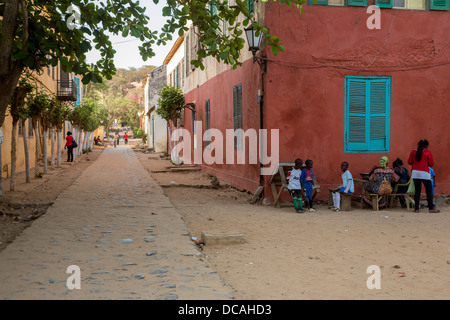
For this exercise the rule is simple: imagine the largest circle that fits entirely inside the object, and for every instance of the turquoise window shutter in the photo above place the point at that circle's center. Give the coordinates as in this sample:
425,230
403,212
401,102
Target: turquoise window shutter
367,114
251,6
77,83
323,2
356,117
379,114
384,3
439,4
357,3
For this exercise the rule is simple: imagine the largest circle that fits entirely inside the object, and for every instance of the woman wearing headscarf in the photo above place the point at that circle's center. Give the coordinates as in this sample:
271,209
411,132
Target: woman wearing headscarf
421,160
380,179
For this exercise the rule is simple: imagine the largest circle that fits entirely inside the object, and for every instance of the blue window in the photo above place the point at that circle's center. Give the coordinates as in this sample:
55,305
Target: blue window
367,114
78,84
251,6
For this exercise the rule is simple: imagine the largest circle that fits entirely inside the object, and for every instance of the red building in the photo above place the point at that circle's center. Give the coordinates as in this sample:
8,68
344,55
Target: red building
340,92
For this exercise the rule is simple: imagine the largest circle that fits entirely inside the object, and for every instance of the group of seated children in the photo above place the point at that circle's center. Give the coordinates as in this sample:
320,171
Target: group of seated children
98,142
301,185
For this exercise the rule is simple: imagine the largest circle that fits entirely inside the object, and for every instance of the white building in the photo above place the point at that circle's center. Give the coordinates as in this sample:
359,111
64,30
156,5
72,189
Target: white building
154,125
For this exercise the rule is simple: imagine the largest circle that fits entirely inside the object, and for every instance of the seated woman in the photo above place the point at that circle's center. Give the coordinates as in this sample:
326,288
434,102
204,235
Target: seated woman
380,179
403,173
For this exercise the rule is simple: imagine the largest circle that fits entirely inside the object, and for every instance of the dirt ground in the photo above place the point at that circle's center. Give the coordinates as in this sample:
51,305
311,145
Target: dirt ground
286,255
320,255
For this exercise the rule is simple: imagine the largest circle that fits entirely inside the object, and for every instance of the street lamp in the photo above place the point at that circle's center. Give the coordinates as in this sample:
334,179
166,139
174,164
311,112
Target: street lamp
254,43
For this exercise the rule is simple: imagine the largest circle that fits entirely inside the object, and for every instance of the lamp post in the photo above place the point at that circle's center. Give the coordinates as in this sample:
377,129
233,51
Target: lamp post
254,43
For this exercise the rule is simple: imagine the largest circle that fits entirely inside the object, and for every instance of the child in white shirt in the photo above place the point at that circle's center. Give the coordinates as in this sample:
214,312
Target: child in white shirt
294,186
346,187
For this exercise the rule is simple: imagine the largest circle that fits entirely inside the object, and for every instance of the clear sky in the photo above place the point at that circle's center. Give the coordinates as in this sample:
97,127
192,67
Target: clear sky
127,51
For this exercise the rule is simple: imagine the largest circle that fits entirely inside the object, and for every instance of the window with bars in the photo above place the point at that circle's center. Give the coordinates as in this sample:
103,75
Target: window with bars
207,123
367,114
237,113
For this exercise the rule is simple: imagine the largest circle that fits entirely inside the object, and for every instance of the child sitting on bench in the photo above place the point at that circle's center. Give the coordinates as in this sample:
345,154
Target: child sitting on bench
347,187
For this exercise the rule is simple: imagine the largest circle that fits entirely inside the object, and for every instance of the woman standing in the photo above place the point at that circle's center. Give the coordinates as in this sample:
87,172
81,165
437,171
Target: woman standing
421,161
69,146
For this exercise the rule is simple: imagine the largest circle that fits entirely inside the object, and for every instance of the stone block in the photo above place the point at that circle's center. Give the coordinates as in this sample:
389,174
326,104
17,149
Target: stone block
222,237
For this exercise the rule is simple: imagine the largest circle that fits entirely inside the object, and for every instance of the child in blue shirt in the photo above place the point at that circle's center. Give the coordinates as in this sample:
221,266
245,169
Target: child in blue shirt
307,180
346,187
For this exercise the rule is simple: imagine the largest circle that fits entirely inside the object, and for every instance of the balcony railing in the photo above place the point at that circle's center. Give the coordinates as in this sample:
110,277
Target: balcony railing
67,90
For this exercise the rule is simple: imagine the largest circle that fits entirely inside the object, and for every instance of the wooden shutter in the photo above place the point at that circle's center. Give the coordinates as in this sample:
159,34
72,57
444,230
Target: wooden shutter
357,3
207,122
356,113
367,114
237,112
379,129
439,4
78,84
251,6
384,3
187,53
323,2
194,46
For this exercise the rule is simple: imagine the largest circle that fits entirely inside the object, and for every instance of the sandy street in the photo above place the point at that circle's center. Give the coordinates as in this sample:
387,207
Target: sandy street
320,255
128,194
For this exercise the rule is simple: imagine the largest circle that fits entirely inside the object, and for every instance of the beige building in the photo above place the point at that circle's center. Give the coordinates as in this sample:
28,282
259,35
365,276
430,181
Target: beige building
53,81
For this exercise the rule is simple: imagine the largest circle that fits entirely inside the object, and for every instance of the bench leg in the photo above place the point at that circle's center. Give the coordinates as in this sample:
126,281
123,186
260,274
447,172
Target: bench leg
375,202
346,202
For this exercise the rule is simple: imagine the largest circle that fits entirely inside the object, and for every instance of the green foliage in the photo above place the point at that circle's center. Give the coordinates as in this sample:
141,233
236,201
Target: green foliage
217,25
170,103
22,93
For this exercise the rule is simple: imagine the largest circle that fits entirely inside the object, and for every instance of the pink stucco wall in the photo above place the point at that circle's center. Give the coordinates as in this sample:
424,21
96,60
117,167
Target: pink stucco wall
305,89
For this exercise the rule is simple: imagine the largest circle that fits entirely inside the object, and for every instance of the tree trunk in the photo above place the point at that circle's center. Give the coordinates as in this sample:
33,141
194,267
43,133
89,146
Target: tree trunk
80,139
84,142
27,154
37,153
58,148
44,134
52,153
13,155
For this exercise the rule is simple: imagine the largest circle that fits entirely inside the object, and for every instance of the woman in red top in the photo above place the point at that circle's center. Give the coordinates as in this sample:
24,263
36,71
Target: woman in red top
421,161
69,146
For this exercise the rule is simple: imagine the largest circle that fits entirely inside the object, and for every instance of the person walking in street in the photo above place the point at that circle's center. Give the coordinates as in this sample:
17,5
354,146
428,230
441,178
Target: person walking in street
69,146
421,161
125,137
117,138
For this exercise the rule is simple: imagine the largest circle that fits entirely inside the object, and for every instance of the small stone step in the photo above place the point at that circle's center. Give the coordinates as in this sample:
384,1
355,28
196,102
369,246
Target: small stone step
222,237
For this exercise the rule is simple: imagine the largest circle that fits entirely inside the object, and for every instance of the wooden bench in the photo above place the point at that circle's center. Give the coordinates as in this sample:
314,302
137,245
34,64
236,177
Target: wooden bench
346,200
278,179
376,200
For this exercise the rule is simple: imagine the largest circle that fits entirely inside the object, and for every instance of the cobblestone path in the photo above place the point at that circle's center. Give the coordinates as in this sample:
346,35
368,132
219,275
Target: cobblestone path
118,227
